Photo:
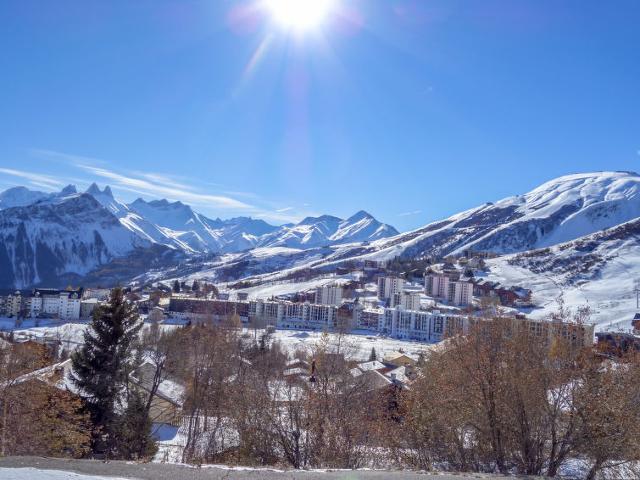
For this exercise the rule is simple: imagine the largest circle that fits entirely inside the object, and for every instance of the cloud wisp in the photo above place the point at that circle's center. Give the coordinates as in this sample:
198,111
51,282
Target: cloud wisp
407,214
35,179
226,201
170,190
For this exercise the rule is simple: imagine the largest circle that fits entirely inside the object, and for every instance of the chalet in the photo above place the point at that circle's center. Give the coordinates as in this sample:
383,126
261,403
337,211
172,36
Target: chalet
484,288
399,360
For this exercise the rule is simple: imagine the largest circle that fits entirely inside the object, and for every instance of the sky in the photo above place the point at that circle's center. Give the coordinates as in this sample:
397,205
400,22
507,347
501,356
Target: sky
412,110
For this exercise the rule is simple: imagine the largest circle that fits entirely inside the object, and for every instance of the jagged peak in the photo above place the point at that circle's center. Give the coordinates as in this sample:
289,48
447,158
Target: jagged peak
94,189
68,190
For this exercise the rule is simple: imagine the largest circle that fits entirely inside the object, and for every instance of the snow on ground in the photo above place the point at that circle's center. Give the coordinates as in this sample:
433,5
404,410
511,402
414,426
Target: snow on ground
357,345
285,288
610,296
31,473
69,333
360,343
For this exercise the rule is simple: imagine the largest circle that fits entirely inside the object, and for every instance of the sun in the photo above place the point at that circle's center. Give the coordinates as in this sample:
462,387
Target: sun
301,15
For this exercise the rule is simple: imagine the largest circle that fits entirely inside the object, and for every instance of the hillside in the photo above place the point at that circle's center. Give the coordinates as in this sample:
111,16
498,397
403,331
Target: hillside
600,270
60,237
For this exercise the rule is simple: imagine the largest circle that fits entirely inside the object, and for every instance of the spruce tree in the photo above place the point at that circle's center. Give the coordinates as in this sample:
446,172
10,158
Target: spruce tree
102,365
176,286
195,287
373,356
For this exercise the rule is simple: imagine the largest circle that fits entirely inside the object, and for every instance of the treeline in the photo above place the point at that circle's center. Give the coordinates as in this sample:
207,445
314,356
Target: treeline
495,400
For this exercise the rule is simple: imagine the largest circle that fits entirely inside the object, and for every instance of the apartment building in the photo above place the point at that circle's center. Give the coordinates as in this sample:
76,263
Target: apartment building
389,286
44,302
446,287
204,310
412,324
285,314
329,294
406,299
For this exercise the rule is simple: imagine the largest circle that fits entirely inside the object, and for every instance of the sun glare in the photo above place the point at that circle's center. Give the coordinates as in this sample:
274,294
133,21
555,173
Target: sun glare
299,14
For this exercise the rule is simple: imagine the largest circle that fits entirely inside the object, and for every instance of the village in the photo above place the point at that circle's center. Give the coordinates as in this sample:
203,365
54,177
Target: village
341,312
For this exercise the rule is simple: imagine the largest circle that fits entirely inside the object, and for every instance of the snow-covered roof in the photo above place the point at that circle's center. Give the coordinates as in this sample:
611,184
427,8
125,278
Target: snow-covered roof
168,389
371,365
399,374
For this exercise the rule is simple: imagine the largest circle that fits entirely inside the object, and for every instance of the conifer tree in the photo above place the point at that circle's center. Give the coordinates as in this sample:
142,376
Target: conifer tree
176,286
373,356
102,365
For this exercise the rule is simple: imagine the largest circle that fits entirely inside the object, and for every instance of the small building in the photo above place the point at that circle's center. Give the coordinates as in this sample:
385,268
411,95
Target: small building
87,306
156,315
617,343
400,360
635,323
166,406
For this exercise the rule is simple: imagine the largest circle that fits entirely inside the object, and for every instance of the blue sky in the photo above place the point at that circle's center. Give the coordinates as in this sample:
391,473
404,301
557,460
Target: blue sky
409,109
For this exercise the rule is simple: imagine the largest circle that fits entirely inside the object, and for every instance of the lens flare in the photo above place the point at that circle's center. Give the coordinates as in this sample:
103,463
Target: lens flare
299,15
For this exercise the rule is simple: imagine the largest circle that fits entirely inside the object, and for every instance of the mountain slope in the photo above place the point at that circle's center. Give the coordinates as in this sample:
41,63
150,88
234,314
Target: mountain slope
19,197
72,235
197,233
178,226
559,210
600,270
136,222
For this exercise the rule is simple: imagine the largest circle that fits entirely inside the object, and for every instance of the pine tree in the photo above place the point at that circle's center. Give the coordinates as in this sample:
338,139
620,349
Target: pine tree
102,365
374,356
195,287
176,286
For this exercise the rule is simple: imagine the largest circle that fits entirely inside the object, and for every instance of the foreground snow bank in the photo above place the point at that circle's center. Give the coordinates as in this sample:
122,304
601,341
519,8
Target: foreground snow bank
37,474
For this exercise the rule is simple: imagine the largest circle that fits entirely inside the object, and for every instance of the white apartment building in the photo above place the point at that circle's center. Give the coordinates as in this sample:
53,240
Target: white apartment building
411,324
462,293
406,300
13,304
440,286
45,302
457,292
389,286
329,295
284,314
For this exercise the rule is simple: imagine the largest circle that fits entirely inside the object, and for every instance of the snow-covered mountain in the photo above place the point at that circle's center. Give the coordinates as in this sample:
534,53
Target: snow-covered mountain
197,233
558,211
45,237
60,236
328,230
19,197
178,226
22,196
570,215
578,235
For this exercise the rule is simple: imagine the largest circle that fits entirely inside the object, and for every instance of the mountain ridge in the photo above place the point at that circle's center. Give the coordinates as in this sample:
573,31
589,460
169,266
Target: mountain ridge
558,211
